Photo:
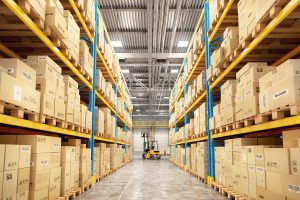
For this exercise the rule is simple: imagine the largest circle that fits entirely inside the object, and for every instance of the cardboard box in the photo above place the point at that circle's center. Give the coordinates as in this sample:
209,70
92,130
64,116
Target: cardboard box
23,195
55,144
39,179
54,191
55,176
1,182
252,191
11,160
260,176
274,182
55,160
228,145
9,188
24,156
239,142
255,154
23,180
60,109
40,161
44,67
265,83
55,19
19,70
295,161
39,194
39,7
67,153
290,186
252,174
263,194
15,92
279,163
39,143
290,138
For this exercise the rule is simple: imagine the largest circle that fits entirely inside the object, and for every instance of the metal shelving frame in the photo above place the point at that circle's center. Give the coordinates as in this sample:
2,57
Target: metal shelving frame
282,123
22,123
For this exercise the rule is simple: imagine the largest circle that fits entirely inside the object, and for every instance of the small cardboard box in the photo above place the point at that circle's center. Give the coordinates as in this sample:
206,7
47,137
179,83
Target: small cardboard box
43,65
279,163
290,138
55,176
19,70
295,161
39,143
260,174
40,161
55,144
59,109
39,194
274,182
239,142
54,191
290,186
67,154
10,183
24,156
23,180
55,160
11,157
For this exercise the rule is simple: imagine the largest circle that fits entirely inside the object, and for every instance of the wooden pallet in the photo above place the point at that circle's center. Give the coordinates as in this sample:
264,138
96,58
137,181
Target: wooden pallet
72,127
18,112
85,130
279,113
86,187
245,122
32,13
215,131
70,195
52,121
227,127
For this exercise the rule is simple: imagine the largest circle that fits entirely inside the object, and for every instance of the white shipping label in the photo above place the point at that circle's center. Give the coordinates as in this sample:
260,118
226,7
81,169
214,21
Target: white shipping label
259,157
281,93
27,76
294,188
56,145
17,93
25,149
44,162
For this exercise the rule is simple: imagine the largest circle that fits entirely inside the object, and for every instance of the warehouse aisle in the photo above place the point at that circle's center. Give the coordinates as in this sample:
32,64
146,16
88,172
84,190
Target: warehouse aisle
150,180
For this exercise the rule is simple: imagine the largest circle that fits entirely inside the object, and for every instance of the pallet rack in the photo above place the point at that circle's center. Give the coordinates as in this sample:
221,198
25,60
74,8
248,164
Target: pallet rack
21,125
242,53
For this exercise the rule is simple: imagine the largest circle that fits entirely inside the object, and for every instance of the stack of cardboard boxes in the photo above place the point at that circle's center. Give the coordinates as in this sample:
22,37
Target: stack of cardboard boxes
84,166
17,85
200,120
247,89
86,117
72,39
68,169
198,41
72,100
102,149
280,87
201,159
99,123
85,58
75,165
14,171
108,122
88,7
50,84
227,104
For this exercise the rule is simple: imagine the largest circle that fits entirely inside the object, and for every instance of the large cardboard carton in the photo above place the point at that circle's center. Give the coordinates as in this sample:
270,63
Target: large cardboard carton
274,182
295,161
39,194
2,156
15,92
24,156
279,163
55,19
55,176
265,83
23,180
55,160
11,159
40,161
239,142
264,194
54,191
44,66
39,6
55,144
290,138
19,70
260,174
9,187
39,143
67,154
39,180
290,186
23,195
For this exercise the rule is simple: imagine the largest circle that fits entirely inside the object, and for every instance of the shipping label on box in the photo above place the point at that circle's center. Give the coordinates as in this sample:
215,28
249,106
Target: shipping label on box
40,161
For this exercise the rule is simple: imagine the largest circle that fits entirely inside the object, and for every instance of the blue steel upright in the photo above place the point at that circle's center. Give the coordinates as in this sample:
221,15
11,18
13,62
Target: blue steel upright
185,115
209,97
92,96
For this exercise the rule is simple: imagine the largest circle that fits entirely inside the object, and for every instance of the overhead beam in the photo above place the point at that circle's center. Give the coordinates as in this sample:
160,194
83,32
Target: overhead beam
149,65
109,9
151,55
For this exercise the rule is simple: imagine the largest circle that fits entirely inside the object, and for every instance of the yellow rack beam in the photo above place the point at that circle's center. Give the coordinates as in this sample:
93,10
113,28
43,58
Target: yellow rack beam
204,138
23,123
32,26
290,121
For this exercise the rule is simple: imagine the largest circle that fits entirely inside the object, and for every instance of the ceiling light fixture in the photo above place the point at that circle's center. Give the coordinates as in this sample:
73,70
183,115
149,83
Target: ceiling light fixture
125,71
116,44
133,97
174,71
182,43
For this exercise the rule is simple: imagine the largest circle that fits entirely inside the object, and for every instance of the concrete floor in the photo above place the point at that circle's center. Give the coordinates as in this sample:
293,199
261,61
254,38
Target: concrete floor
150,180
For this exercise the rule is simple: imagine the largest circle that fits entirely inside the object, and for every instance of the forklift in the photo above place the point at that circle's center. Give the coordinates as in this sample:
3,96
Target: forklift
151,150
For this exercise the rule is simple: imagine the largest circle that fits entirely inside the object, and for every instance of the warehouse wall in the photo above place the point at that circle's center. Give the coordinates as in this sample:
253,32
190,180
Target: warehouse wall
161,135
